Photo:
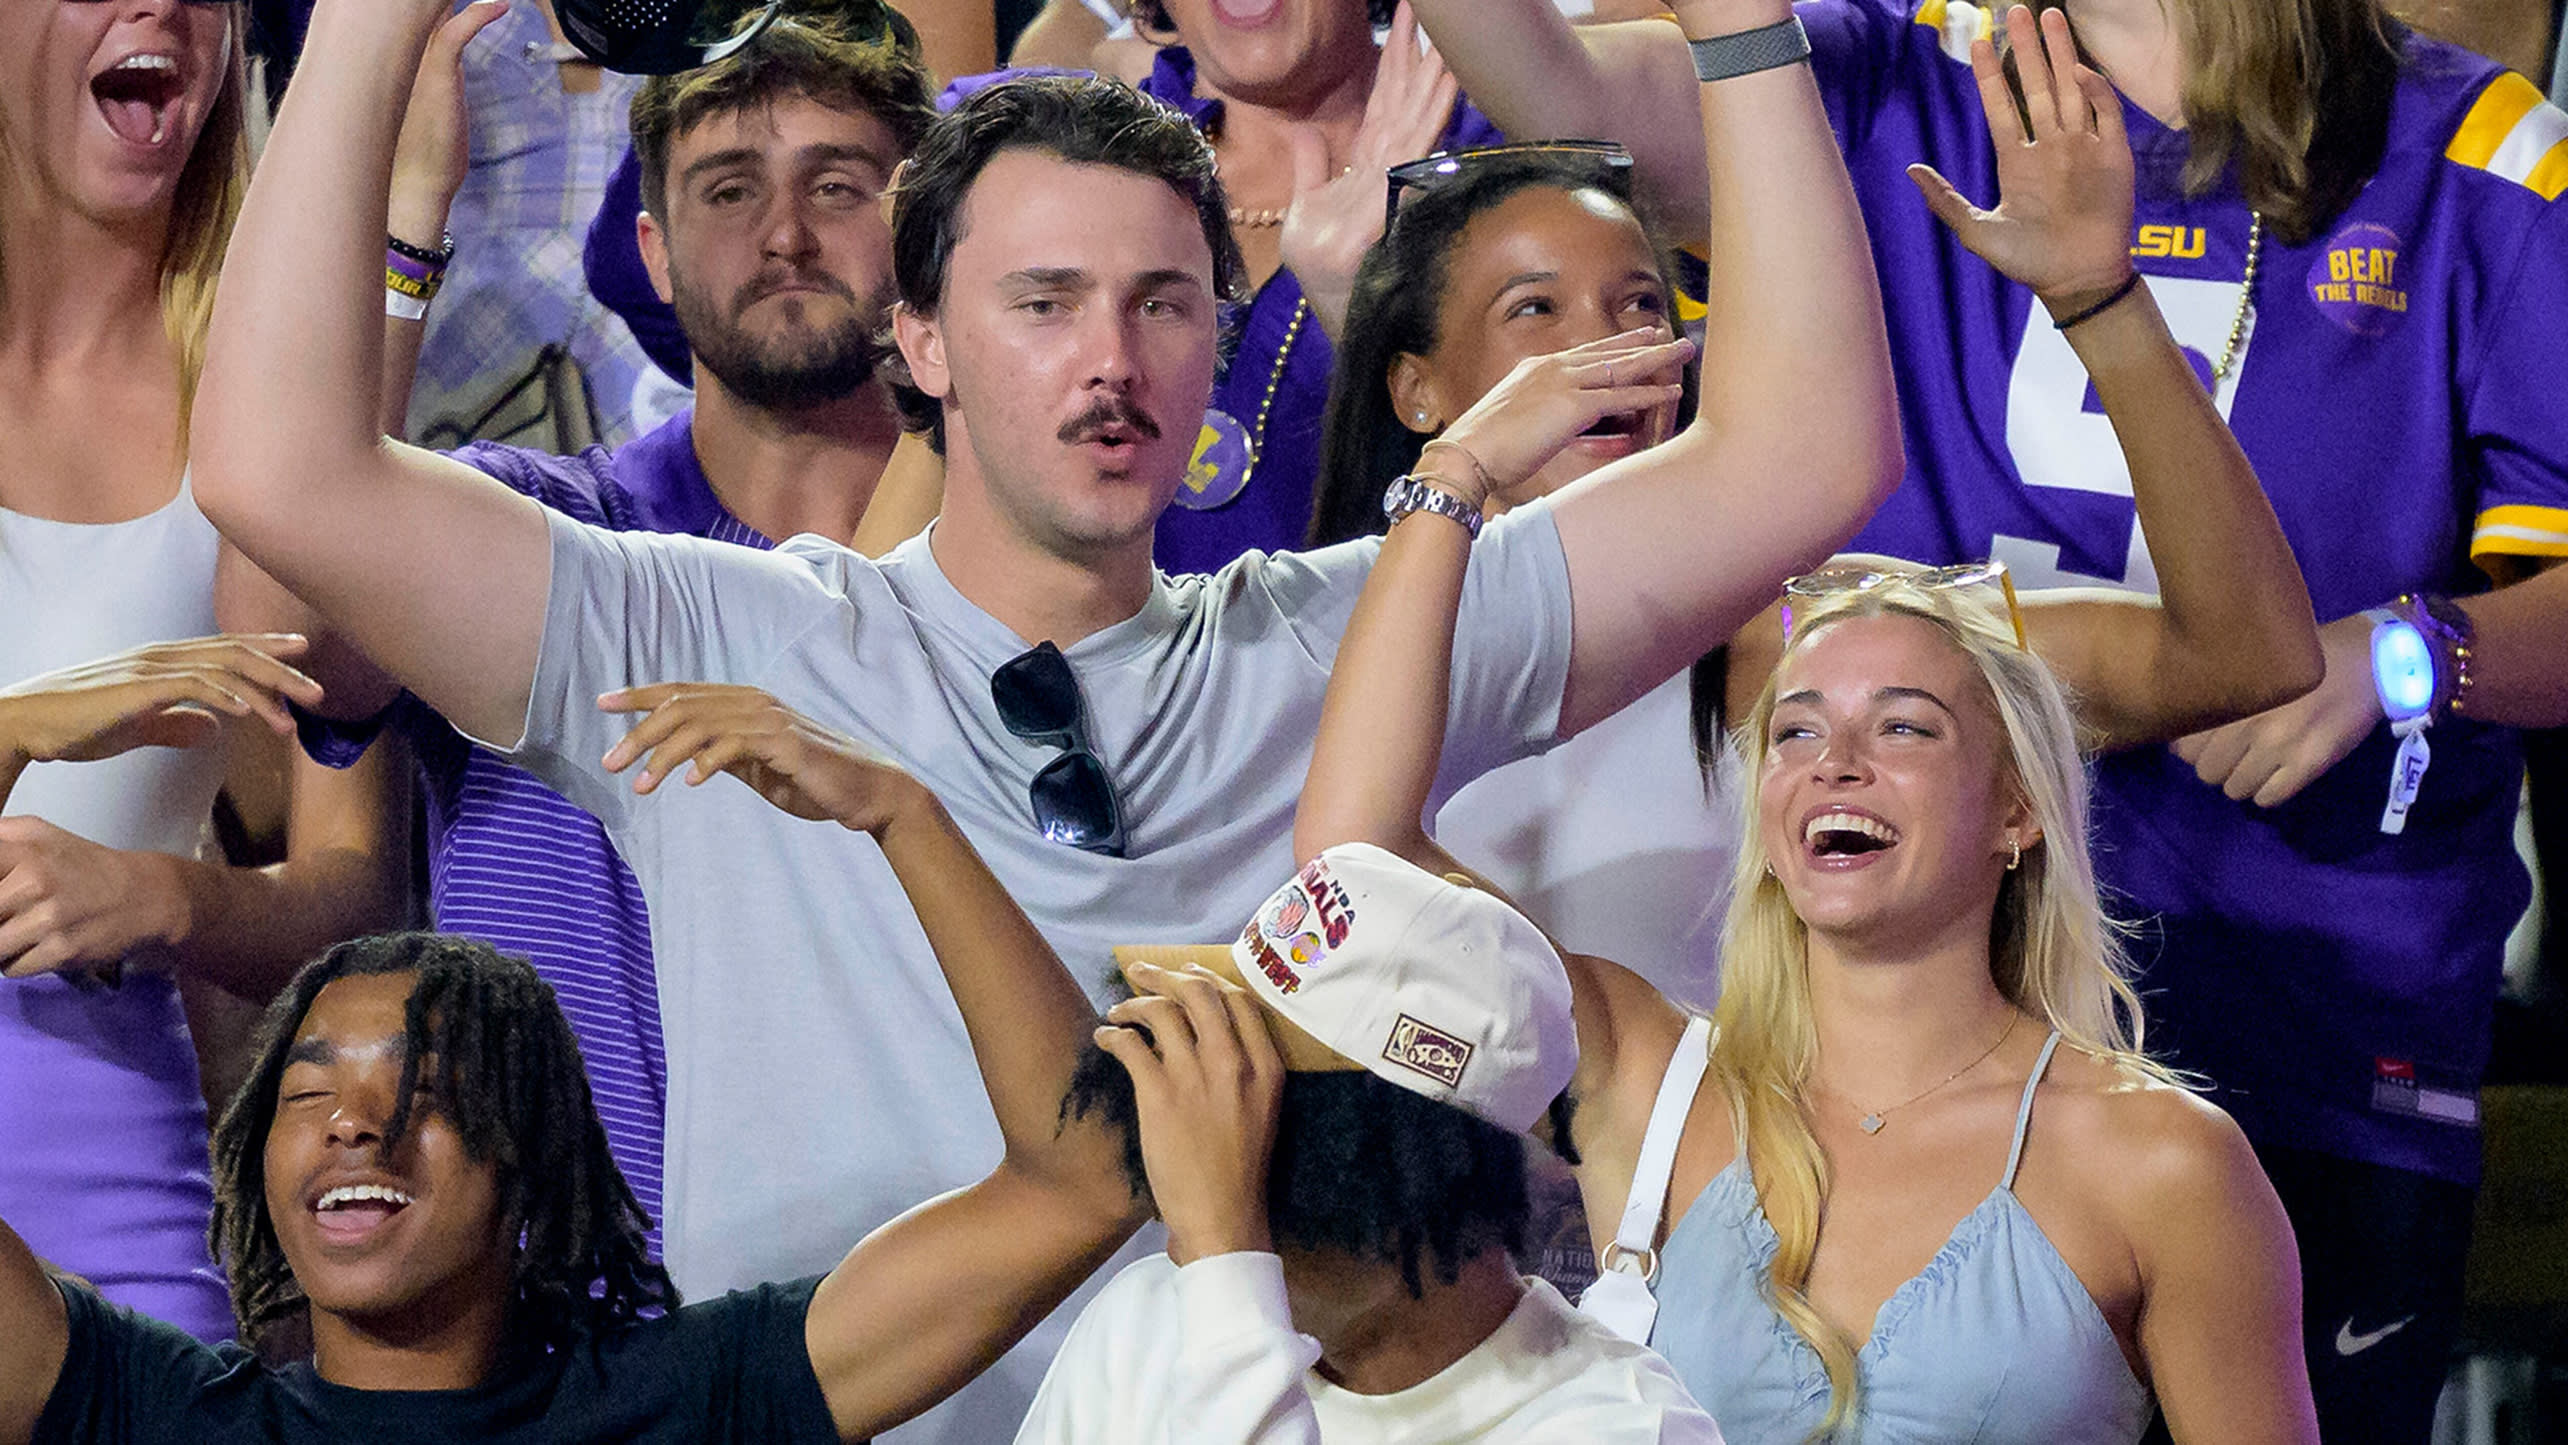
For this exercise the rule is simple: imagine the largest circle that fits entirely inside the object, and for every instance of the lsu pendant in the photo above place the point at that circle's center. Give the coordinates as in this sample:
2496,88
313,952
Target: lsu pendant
1870,1123
1218,471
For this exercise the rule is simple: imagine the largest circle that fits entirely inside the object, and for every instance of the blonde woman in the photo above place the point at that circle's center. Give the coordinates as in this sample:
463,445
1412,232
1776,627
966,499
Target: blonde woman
1915,1179
122,161
2360,232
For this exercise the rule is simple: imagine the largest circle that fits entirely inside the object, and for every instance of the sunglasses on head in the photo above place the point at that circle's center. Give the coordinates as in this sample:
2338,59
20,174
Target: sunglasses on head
1603,162
1830,581
1074,800
667,37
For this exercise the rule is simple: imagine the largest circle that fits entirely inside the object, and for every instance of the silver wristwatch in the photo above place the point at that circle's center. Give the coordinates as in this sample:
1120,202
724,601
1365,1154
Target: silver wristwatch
1412,493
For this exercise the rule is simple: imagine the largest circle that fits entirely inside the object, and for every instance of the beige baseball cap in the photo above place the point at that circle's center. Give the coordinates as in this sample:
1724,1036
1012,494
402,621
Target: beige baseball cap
1365,961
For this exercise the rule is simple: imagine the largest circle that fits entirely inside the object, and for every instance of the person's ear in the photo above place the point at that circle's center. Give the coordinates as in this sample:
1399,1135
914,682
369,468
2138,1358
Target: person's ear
922,344
654,244
1414,395
2022,833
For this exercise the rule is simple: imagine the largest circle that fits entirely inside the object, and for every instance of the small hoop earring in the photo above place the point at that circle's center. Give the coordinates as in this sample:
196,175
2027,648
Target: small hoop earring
2014,853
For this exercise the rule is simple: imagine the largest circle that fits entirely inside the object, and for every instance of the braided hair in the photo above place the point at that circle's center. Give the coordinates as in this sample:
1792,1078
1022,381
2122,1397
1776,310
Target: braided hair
508,1077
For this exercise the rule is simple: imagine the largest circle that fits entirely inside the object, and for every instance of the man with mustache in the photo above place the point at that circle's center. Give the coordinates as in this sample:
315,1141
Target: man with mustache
1125,748
763,229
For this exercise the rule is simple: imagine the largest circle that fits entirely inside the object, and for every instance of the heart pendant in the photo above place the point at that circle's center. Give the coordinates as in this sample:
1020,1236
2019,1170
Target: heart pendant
1870,1123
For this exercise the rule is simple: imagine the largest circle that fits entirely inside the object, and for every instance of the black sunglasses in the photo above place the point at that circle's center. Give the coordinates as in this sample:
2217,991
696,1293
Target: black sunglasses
1605,162
1074,800
666,37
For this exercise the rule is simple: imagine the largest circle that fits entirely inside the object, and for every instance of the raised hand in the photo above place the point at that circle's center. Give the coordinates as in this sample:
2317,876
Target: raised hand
1335,219
1542,406
789,760
428,166
1207,1085
166,695
2063,221
68,905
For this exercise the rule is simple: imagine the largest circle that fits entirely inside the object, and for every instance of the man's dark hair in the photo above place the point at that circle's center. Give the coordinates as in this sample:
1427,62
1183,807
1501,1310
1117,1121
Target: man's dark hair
1361,1166
1152,16
810,53
509,1079
1080,120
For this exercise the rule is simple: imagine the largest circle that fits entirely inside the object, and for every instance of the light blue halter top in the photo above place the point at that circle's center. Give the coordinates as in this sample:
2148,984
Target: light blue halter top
1995,1341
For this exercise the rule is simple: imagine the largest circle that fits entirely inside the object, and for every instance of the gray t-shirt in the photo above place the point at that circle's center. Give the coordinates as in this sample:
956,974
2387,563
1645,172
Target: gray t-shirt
820,1080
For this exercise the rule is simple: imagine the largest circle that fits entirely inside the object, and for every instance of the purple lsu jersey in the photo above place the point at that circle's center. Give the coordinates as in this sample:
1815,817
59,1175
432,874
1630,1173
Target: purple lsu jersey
2402,389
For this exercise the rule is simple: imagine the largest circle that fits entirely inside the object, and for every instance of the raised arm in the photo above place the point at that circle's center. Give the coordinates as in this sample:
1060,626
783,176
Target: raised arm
1797,439
929,1300
2232,632
436,572
1538,76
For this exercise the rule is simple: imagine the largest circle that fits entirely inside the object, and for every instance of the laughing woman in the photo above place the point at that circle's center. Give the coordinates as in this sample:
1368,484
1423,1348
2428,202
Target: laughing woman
123,156
1916,931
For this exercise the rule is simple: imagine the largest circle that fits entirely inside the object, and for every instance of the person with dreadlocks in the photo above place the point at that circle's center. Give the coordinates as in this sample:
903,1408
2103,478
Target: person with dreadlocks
417,1170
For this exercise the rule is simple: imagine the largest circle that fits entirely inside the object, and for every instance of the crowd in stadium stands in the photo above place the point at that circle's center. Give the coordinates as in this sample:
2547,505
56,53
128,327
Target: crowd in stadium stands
1534,721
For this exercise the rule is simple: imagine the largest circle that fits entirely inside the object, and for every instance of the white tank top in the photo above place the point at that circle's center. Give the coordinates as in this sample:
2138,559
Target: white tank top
73,593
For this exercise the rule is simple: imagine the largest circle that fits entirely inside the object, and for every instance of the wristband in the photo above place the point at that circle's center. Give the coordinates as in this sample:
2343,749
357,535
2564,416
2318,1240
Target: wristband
437,258
1727,57
2420,672
404,308
2129,284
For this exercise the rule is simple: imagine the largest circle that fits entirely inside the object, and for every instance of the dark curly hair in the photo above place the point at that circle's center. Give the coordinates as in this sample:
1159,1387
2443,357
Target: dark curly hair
1079,119
1361,1166
509,1079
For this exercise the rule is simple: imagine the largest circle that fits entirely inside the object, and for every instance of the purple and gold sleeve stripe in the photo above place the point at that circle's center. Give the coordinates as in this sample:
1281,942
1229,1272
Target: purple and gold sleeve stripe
2513,132
1958,23
2520,531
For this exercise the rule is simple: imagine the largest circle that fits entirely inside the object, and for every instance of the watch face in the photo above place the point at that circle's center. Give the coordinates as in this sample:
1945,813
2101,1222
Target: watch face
2402,670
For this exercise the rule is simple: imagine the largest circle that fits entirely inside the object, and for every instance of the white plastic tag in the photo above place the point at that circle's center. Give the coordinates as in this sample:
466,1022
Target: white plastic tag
2407,774
1621,1301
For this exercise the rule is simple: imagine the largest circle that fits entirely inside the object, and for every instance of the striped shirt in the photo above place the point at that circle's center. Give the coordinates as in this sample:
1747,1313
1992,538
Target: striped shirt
511,862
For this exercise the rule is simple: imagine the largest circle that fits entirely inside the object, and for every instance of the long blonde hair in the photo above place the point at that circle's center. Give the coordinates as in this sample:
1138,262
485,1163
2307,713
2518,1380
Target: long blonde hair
208,201
2294,93
2051,951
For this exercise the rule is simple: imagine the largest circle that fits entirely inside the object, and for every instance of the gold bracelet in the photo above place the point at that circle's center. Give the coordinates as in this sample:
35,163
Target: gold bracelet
1479,473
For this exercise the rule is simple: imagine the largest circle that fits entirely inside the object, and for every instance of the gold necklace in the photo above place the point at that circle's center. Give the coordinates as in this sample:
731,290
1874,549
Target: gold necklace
2246,301
1274,382
1871,1122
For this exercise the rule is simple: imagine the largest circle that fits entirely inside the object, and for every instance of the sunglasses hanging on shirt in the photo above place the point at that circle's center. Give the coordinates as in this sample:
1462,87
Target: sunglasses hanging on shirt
1074,799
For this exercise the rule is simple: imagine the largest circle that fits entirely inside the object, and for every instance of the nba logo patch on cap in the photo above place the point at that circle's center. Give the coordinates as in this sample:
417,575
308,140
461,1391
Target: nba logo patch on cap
1428,1050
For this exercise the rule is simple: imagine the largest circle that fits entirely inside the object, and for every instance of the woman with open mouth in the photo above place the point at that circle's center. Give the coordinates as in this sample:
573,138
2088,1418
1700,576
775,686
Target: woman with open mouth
1621,840
1925,1037
123,157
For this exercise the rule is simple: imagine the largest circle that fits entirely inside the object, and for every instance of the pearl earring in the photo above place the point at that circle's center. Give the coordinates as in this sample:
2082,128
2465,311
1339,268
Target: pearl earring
2014,853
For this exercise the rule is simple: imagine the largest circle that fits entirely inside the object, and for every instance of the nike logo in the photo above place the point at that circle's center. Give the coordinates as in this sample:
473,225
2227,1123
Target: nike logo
2350,1343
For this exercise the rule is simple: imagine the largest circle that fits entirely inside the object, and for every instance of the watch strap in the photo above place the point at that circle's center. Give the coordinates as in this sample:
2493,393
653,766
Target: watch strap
1412,493
1726,57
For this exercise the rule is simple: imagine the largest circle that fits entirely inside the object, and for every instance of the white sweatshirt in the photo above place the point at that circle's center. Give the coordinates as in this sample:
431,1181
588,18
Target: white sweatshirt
1207,1355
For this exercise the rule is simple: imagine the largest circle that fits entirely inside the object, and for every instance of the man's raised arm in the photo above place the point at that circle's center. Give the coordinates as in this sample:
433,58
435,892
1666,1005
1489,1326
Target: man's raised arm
1798,437
436,572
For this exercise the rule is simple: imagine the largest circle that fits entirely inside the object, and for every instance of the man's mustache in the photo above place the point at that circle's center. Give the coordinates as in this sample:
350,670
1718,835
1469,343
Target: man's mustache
767,283
1107,412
